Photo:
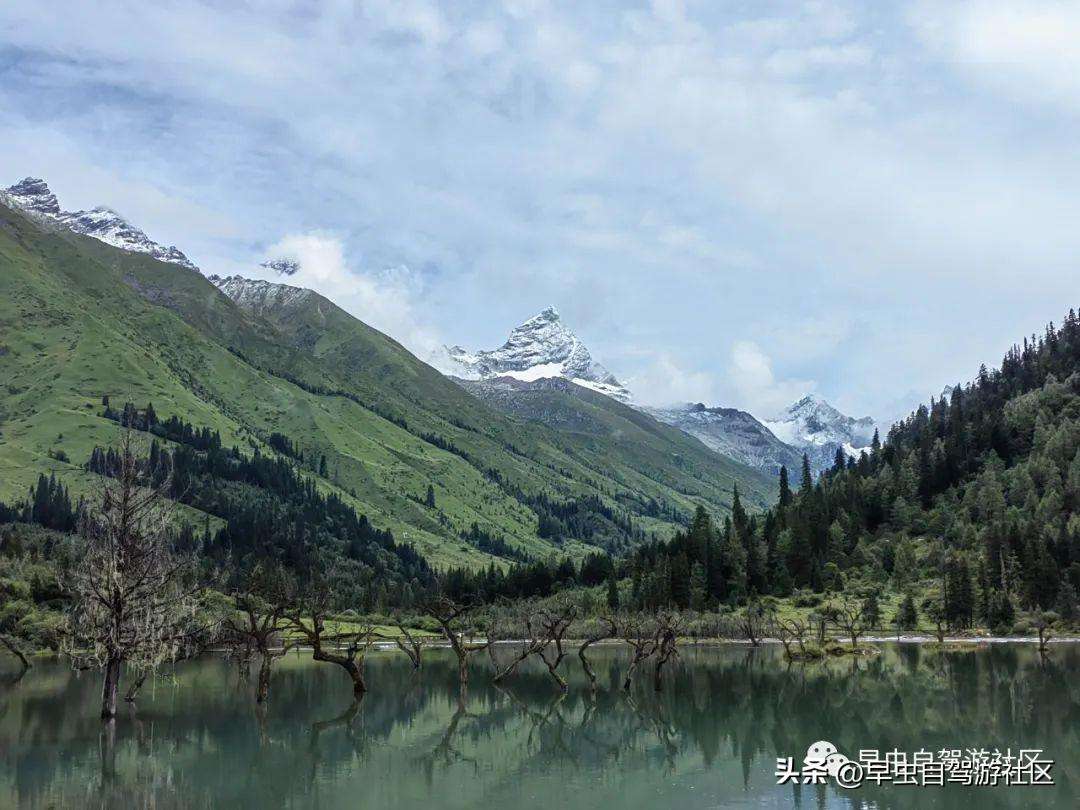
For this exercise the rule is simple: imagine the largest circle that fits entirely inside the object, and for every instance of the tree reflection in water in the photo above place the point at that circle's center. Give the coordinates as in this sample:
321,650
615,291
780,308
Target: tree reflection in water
709,738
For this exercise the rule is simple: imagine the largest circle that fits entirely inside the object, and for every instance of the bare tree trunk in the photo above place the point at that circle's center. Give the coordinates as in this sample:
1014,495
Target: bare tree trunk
133,690
109,688
350,665
107,750
586,666
445,612
553,667
661,660
510,668
609,631
264,677
413,650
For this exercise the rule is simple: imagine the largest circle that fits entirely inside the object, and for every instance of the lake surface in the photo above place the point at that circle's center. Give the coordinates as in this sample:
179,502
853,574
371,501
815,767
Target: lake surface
710,739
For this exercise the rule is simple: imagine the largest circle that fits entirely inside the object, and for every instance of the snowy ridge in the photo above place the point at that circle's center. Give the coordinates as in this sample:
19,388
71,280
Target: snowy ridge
733,433
817,428
34,196
541,348
256,295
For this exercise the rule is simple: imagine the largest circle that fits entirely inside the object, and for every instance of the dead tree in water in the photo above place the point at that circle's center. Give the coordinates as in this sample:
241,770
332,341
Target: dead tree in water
522,625
789,631
261,619
134,600
640,633
607,629
306,620
555,621
1042,624
346,649
667,637
752,622
849,617
409,644
449,614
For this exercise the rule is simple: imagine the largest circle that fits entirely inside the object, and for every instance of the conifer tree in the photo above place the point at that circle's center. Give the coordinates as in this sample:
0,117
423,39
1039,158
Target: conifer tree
612,593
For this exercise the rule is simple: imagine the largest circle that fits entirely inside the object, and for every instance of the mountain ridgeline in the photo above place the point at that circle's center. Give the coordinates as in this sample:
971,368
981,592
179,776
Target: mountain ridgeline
543,355
280,373
975,497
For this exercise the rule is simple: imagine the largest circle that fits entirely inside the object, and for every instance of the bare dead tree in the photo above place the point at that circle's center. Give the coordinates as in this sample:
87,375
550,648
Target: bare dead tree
667,637
1042,622
640,633
307,621
134,600
449,615
555,620
522,624
606,629
790,631
412,646
848,617
752,622
261,619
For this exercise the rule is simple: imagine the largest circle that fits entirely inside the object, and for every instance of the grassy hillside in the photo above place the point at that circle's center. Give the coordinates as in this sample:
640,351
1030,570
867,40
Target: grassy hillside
79,320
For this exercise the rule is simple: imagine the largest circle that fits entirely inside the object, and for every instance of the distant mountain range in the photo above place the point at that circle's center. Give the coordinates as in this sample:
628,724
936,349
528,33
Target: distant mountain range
734,433
545,348
516,377
89,317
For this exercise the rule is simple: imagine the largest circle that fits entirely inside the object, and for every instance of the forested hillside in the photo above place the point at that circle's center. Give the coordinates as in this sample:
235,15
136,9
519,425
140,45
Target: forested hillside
355,416
972,502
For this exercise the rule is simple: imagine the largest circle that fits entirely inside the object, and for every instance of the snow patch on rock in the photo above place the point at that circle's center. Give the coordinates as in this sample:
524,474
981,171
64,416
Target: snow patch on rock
257,296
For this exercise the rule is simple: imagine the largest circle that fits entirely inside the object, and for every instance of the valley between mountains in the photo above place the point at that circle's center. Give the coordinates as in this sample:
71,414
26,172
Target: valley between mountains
529,450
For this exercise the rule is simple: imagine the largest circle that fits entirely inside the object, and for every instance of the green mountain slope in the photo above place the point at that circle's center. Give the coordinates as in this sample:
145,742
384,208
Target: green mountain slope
80,319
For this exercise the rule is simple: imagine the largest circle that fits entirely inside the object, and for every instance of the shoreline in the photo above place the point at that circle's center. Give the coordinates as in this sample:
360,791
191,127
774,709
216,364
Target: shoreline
441,644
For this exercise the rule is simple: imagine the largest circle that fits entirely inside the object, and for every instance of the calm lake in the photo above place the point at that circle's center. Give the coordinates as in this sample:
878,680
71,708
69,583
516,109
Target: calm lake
710,739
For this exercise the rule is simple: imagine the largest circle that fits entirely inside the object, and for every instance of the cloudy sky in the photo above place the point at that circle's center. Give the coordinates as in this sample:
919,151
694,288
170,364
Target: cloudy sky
733,202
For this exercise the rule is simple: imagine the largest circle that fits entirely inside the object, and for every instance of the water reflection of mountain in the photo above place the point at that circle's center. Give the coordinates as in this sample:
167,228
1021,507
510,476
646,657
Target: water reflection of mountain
709,739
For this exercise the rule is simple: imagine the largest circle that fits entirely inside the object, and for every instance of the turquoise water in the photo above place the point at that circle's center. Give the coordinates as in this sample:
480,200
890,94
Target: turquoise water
710,739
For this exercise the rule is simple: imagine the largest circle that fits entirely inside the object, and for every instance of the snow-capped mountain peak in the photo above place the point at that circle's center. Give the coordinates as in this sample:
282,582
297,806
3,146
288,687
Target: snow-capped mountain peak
542,347
34,196
813,423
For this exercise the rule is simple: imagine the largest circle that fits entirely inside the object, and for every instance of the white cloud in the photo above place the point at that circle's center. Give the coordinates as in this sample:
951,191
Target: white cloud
1027,48
849,186
383,299
662,380
756,385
